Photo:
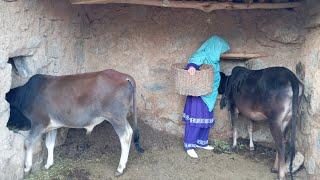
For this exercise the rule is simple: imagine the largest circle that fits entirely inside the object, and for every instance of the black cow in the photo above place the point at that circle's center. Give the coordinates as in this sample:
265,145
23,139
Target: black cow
76,101
271,94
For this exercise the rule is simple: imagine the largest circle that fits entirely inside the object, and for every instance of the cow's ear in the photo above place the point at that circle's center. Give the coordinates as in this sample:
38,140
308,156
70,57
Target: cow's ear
223,75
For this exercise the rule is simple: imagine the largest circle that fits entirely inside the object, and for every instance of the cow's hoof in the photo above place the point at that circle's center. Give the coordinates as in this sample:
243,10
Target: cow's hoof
117,174
274,170
27,170
251,148
47,166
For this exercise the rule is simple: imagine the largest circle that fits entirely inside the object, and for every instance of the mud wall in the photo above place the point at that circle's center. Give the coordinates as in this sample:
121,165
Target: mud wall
146,41
309,134
54,37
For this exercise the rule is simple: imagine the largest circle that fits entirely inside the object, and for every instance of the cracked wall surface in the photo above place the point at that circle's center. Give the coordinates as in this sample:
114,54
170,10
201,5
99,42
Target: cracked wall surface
57,38
309,133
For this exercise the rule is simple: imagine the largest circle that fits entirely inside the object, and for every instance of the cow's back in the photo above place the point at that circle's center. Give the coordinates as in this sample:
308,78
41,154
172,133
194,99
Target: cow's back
77,99
260,82
261,94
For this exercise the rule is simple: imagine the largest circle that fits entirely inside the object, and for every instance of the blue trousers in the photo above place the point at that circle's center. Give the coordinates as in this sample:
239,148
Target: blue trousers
194,136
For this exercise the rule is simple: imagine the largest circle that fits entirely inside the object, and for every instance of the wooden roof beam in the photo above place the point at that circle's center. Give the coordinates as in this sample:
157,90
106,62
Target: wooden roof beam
204,6
241,56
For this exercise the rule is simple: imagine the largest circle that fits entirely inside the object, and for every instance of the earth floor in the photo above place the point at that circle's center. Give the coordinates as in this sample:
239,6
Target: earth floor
96,156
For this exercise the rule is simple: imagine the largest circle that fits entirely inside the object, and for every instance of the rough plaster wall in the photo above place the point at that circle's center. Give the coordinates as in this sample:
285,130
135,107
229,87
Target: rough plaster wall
309,136
57,38
9,155
44,33
146,41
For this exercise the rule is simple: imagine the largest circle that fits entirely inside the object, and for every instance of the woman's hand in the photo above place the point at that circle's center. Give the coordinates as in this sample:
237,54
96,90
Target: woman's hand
191,70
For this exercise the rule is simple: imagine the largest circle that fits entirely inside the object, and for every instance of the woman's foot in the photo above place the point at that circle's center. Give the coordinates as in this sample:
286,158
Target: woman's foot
208,147
192,153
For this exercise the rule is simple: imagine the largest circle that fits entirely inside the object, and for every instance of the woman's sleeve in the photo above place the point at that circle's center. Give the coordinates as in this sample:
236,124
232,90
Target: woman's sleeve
197,59
192,65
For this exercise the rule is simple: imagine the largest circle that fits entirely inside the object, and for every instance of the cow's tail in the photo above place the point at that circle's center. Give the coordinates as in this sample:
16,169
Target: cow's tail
295,104
136,134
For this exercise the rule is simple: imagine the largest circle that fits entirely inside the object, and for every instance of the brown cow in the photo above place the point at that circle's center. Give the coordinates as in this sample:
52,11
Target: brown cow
76,101
272,94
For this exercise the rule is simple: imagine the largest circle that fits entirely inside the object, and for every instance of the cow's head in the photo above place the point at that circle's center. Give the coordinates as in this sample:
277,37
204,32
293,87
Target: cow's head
17,120
223,82
11,96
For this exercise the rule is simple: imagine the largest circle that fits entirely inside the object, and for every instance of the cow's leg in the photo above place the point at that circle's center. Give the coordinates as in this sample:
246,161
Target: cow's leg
250,129
275,164
275,128
50,141
124,132
235,137
233,117
33,137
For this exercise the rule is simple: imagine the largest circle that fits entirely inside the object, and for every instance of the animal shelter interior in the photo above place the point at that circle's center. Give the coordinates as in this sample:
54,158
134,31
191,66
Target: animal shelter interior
144,39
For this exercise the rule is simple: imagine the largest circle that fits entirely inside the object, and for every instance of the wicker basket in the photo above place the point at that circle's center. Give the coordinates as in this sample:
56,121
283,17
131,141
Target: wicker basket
196,85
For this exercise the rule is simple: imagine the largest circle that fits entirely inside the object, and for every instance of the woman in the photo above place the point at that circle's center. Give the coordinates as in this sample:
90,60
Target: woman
198,111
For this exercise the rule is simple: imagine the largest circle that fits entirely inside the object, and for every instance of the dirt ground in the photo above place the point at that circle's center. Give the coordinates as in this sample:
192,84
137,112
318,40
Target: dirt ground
97,156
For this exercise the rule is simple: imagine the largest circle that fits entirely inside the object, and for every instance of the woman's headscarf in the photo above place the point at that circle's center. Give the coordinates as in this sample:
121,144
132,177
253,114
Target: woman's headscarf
209,53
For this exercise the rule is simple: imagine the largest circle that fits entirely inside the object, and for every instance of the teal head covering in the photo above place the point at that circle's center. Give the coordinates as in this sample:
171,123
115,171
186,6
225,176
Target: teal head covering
209,53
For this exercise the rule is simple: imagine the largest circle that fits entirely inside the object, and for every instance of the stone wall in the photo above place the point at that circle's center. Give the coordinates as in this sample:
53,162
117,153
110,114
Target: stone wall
54,37
11,145
146,41
309,136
